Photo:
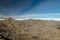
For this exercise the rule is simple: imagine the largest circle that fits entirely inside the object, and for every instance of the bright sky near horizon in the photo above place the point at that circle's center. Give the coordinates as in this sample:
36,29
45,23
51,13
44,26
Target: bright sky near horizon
30,8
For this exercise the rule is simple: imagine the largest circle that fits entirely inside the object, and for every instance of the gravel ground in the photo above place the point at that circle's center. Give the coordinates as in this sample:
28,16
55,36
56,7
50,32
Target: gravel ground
29,30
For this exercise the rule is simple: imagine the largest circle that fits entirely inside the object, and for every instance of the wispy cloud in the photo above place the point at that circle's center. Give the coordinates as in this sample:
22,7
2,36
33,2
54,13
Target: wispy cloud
34,16
39,16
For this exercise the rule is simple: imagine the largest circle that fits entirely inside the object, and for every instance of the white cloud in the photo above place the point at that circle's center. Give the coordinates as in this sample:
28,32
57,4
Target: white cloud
31,16
34,15
3,16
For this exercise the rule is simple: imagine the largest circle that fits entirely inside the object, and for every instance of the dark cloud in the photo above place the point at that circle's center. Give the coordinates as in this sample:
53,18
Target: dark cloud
8,7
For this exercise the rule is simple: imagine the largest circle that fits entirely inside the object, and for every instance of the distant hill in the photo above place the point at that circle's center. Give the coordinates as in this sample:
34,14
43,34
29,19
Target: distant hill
11,29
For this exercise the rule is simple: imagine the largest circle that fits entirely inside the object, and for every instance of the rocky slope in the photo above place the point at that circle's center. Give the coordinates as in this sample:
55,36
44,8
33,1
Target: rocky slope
11,29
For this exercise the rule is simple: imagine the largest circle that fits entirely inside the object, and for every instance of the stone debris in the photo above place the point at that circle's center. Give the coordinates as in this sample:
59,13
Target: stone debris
11,29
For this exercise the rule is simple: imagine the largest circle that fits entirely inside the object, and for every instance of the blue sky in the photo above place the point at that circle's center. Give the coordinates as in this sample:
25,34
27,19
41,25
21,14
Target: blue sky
18,8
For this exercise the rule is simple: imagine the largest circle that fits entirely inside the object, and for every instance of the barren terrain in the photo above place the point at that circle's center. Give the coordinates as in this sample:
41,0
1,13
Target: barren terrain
11,29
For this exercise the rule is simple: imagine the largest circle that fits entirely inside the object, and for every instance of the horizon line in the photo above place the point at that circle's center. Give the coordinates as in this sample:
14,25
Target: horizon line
54,19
